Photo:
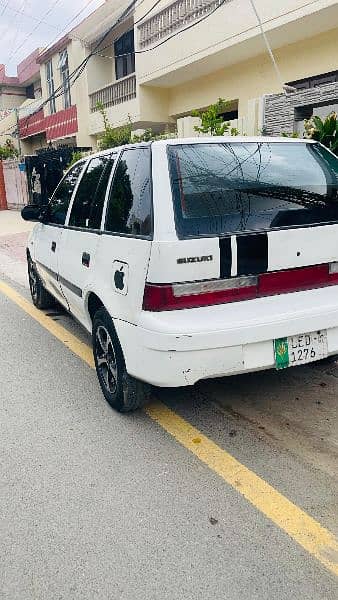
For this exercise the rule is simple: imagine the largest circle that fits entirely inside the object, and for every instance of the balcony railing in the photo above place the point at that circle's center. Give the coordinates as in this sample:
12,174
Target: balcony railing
173,17
115,93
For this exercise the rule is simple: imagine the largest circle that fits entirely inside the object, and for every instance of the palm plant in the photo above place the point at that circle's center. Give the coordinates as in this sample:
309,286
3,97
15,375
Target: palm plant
324,131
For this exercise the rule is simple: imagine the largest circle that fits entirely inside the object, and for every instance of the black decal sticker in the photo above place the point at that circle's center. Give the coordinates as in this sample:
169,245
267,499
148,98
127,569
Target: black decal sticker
225,257
252,254
119,279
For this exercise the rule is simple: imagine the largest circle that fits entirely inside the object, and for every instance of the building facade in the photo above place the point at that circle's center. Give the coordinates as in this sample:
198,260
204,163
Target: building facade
19,96
56,122
186,54
151,64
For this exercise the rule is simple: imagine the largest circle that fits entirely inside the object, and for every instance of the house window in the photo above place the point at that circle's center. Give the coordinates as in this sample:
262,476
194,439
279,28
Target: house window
64,77
30,91
124,51
229,115
50,87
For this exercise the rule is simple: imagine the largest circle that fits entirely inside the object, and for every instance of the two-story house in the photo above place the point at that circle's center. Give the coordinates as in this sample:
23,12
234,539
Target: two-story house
159,61
56,120
151,63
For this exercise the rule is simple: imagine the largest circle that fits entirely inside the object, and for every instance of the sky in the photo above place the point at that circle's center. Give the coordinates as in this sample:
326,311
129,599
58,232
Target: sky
29,24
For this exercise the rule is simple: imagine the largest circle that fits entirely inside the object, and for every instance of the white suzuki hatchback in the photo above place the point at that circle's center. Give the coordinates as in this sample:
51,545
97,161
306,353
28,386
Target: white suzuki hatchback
193,258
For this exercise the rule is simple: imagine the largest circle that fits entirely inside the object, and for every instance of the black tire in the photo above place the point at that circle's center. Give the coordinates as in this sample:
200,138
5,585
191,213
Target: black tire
123,392
40,297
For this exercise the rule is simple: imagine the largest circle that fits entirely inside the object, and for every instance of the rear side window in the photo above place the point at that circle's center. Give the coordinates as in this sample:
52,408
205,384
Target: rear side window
129,209
59,203
89,199
235,187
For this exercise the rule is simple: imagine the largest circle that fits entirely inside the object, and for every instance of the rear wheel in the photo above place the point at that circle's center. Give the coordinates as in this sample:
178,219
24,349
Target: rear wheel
122,392
40,297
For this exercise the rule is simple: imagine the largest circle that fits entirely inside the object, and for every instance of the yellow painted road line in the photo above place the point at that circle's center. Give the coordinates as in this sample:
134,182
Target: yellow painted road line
61,333
306,531
314,538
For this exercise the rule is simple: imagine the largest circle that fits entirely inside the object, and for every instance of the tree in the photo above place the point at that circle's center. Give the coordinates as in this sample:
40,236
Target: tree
212,122
112,137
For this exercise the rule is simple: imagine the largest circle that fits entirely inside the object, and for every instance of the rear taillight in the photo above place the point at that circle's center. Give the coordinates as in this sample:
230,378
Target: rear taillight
202,293
293,280
159,297
333,272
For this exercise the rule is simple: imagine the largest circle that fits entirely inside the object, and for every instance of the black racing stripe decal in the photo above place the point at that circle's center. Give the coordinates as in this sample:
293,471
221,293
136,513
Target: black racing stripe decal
68,284
71,286
49,271
252,254
225,257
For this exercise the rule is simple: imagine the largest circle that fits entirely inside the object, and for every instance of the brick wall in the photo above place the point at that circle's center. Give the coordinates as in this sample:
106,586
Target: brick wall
279,109
3,201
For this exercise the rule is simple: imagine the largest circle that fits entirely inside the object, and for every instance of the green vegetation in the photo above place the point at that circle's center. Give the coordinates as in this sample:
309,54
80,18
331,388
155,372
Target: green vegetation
150,136
112,137
8,150
212,122
77,155
289,134
324,131
118,136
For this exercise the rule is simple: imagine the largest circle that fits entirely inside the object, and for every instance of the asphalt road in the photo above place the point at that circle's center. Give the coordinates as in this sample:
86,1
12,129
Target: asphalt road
96,505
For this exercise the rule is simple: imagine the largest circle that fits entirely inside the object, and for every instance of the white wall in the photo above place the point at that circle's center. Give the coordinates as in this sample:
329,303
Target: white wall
233,26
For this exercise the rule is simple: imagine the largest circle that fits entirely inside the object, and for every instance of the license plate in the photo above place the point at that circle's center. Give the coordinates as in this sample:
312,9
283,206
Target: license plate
300,349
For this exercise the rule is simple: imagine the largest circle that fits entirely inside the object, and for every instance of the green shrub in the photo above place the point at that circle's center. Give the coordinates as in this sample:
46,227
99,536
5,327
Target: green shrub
113,136
211,121
150,136
8,150
324,131
77,155
119,136
290,134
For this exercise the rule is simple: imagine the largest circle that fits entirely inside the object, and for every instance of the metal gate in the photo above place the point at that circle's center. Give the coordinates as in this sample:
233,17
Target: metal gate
15,183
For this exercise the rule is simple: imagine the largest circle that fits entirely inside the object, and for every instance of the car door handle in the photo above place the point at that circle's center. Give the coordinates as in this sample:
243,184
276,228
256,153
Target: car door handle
53,246
85,259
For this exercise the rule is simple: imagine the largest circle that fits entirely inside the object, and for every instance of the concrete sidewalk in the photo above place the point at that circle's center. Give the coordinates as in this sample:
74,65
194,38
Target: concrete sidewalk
14,232
11,222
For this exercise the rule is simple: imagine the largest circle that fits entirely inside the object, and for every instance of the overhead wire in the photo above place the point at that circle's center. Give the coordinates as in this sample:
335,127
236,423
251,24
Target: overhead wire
21,12
17,28
51,8
60,31
167,39
4,8
72,77
268,46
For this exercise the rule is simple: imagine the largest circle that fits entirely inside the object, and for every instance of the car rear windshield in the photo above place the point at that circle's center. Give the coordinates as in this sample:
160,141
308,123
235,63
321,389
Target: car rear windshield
222,188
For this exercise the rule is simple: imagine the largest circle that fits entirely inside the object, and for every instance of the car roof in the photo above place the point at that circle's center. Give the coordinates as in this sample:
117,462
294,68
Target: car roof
202,140
226,139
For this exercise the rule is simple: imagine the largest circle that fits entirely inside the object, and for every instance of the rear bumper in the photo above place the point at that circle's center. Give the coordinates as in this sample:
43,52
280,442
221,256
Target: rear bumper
179,348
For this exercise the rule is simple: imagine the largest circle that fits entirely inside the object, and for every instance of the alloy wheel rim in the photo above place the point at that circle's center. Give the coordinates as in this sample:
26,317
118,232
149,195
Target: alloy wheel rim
106,359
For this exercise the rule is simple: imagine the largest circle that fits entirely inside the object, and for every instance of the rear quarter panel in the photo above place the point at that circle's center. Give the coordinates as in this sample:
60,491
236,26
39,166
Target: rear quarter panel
132,256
